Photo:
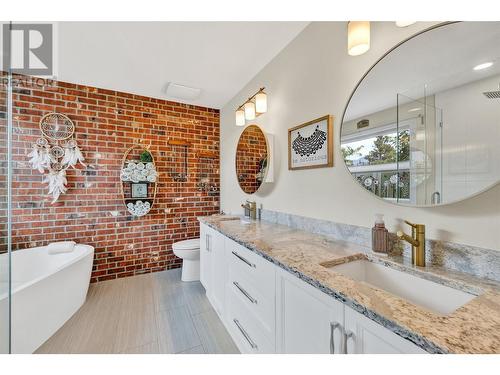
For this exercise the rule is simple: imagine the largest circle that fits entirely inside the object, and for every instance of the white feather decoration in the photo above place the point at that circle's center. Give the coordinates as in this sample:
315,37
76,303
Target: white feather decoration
57,183
72,156
40,158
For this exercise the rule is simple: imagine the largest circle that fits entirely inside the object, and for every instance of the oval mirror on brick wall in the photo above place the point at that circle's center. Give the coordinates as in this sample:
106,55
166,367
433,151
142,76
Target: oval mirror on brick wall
251,159
138,180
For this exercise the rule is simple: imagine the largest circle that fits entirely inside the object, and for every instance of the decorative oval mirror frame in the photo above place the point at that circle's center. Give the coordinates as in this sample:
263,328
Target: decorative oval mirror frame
265,169
404,204
139,208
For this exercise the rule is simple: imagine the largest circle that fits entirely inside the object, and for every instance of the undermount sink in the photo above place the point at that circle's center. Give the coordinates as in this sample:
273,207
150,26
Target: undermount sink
430,295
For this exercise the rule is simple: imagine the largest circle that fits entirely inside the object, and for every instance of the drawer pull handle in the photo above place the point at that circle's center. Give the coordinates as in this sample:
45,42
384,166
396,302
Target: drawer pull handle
243,259
244,292
245,334
333,327
348,335
207,242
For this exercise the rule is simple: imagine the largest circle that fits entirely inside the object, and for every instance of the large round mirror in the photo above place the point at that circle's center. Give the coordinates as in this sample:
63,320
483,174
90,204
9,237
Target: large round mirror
251,159
422,127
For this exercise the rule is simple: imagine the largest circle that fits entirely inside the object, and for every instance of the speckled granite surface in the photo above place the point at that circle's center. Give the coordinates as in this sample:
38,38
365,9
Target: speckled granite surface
473,328
480,262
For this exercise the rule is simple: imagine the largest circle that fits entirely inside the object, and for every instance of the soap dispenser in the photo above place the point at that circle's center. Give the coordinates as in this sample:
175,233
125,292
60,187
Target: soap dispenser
380,235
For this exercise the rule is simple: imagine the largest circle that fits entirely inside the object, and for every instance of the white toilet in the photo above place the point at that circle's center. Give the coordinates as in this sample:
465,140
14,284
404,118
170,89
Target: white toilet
189,252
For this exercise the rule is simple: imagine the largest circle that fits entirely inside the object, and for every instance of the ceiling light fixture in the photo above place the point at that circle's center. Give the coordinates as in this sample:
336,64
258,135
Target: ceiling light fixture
358,37
404,23
253,107
483,66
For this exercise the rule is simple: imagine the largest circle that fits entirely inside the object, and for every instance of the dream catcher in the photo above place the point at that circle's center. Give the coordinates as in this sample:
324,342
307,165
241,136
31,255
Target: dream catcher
55,151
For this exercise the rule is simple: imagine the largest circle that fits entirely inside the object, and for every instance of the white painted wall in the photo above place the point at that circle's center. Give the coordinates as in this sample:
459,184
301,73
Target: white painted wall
314,76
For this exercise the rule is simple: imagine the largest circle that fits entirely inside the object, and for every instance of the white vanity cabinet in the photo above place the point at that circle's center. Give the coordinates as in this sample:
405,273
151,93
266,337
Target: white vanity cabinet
267,309
205,259
364,336
213,269
307,321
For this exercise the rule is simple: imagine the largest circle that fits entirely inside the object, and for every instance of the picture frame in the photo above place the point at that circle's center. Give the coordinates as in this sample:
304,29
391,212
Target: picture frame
139,190
310,145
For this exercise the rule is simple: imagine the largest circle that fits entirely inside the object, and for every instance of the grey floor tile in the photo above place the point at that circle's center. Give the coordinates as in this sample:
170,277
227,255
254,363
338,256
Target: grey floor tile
196,298
195,350
176,332
213,334
153,313
151,348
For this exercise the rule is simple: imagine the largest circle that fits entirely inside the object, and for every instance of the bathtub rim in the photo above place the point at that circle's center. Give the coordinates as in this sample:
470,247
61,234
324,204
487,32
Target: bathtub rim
89,250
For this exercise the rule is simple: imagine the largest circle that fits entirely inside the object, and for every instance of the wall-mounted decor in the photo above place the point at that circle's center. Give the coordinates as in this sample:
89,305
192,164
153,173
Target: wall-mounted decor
207,169
252,153
138,180
310,145
178,161
55,151
139,190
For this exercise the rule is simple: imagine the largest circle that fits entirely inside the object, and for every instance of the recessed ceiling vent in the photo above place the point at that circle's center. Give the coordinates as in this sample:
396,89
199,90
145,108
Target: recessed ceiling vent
493,94
175,90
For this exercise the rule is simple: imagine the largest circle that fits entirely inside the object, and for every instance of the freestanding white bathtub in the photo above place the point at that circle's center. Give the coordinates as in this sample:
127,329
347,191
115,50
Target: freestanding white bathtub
47,289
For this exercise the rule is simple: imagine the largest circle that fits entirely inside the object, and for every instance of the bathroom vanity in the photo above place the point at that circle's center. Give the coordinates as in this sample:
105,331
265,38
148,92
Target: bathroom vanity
283,290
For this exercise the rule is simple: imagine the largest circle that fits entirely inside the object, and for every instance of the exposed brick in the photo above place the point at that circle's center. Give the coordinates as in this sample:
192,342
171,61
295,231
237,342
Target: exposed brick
107,123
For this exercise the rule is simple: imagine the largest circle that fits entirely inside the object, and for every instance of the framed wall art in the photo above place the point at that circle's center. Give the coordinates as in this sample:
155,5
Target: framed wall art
139,190
310,145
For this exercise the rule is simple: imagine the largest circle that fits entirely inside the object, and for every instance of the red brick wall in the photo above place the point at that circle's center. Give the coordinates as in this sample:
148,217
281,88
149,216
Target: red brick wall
252,148
107,123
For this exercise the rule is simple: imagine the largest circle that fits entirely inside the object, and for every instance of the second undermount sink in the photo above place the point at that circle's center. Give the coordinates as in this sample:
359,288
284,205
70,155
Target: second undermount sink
430,295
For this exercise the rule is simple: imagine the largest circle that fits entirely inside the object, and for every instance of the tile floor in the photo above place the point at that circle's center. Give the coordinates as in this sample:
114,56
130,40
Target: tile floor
153,313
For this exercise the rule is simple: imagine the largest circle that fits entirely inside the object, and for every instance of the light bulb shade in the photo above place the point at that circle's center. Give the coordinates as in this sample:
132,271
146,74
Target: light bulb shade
358,37
249,110
240,117
261,102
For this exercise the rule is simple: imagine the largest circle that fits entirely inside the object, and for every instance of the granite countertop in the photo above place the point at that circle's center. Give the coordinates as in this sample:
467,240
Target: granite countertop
473,328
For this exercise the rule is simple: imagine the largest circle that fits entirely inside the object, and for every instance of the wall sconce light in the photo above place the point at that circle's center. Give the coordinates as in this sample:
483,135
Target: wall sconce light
358,37
253,107
249,110
240,117
261,102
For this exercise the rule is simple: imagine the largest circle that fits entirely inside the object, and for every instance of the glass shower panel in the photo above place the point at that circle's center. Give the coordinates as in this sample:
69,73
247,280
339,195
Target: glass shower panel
419,150
4,219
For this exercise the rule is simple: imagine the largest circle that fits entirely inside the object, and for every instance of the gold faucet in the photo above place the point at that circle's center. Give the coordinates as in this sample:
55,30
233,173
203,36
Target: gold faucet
252,209
417,241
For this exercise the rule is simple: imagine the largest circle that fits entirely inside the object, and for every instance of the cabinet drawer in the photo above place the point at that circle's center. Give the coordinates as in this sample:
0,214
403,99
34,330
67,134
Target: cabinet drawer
242,261
261,306
247,331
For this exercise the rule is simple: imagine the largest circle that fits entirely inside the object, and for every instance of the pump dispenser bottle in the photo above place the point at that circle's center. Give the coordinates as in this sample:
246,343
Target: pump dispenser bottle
380,235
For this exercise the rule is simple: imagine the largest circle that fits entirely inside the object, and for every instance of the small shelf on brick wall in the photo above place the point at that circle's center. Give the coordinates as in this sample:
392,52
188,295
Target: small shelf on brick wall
178,142
206,155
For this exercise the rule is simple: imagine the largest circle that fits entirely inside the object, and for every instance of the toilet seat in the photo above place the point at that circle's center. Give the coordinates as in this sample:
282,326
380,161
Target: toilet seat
193,244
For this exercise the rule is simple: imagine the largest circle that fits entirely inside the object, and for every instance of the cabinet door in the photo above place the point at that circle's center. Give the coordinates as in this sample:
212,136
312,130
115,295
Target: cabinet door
364,336
218,271
205,257
308,320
